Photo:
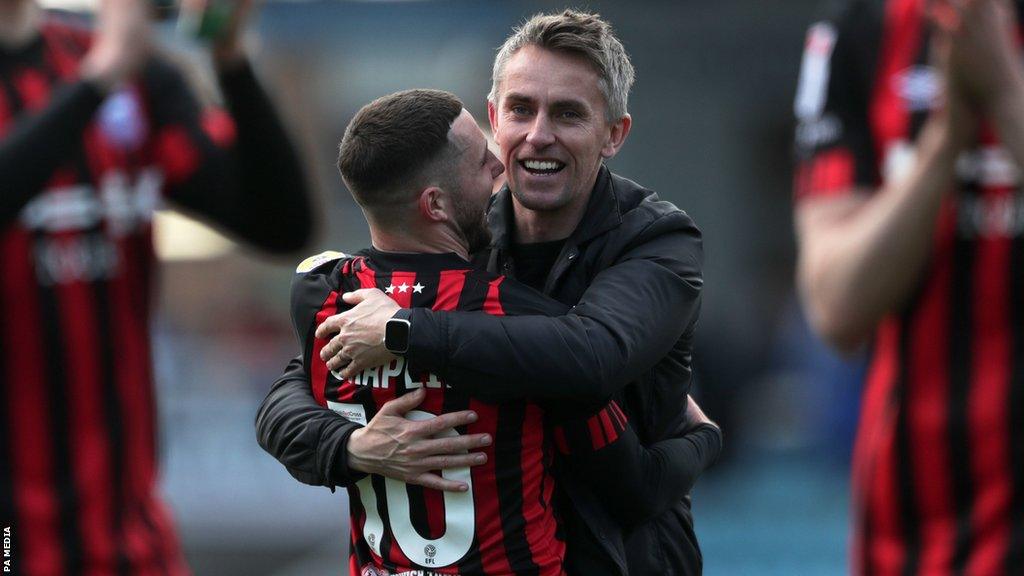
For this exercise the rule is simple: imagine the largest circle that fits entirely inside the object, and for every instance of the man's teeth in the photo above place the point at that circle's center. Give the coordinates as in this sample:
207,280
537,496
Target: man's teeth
542,165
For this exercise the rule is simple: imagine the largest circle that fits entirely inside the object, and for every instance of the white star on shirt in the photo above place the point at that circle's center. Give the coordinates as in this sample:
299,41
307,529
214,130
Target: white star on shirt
403,287
417,288
390,289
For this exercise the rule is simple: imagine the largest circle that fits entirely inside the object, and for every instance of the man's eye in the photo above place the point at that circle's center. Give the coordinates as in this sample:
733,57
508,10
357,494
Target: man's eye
520,110
571,115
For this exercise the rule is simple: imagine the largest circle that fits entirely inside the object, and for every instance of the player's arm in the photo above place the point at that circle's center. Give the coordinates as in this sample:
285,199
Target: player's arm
308,439
636,483
861,247
627,320
38,141
240,172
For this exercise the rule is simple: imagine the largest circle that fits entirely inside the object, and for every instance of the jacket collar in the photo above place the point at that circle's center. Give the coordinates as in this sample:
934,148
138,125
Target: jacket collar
602,214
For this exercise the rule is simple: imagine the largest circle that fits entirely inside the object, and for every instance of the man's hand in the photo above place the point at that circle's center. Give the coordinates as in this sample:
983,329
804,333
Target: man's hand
985,56
407,450
695,416
359,340
122,44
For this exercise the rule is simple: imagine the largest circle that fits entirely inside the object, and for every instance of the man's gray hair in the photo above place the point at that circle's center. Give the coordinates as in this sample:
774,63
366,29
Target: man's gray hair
579,33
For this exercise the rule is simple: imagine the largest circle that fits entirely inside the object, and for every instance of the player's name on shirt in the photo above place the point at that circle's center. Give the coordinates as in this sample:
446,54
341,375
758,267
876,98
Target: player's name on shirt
383,376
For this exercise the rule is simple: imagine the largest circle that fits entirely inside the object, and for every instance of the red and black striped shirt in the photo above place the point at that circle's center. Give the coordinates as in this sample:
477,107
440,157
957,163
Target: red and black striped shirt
78,461
939,456
505,523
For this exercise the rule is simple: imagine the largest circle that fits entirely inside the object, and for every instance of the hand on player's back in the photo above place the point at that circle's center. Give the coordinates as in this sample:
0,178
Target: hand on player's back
393,446
358,343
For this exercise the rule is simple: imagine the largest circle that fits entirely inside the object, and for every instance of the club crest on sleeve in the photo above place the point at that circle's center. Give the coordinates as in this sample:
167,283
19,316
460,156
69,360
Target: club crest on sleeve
321,258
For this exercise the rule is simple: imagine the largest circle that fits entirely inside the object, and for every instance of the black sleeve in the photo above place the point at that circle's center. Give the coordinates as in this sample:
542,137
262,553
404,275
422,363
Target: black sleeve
636,483
38,142
308,439
254,188
833,141
630,316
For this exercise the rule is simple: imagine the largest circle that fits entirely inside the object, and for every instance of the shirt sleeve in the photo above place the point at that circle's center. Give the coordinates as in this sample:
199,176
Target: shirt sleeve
293,423
637,483
38,142
236,168
833,142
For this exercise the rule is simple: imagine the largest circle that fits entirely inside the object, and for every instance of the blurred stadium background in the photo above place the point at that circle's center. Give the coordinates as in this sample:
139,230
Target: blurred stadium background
712,124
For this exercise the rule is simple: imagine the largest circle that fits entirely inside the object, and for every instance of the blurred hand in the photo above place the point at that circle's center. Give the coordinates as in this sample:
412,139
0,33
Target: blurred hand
359,340
122,44
229,45
396,447
984,56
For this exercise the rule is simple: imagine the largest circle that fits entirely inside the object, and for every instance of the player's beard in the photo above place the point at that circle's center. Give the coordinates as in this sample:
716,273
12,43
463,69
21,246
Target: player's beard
472,224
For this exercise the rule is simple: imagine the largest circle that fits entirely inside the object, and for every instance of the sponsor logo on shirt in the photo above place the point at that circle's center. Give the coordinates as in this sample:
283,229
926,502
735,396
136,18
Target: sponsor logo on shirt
920,87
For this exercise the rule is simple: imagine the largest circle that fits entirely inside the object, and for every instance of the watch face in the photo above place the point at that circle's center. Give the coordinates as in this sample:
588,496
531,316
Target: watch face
396,335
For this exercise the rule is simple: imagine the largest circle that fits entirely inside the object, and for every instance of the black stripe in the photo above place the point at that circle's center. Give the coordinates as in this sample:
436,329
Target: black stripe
904,471
426,297
1014,561
508,467
474,293
56,376
960,338
113,407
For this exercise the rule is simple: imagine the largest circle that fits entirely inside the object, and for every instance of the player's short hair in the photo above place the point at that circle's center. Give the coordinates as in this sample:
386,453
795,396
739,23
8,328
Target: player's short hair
396,143
577,33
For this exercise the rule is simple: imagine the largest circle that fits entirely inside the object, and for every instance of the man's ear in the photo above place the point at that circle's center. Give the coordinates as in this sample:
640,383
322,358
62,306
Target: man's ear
616,137
433,204
492,115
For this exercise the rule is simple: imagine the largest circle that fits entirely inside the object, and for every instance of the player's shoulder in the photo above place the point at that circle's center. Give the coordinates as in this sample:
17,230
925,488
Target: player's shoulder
319,274
317,278
506,296
316,263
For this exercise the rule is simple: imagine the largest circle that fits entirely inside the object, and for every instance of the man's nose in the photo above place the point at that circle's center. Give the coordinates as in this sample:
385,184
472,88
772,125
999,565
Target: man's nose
540,134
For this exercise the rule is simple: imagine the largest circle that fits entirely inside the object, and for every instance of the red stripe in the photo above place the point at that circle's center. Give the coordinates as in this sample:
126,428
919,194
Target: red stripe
35,496
490,536
58,54
596,434
220,127
609,429
927,406
540,525
403,288
886,549
988,426
5,113
176,153
875,430
826,174
129,305
318,371
90,456
890,119
33,88
492,303
449,289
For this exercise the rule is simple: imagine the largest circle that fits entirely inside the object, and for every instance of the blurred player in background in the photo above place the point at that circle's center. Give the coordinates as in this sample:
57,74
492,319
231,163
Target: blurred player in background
95,131
628,262
910,222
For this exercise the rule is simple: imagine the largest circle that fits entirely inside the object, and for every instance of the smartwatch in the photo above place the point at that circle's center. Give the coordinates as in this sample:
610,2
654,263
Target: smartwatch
396,332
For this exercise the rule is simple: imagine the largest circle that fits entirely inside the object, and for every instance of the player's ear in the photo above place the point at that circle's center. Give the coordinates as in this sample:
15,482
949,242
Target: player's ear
433,204
616,136
492,115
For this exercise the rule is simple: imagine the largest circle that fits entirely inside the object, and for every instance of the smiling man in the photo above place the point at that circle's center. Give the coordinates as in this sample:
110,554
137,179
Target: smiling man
627,262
